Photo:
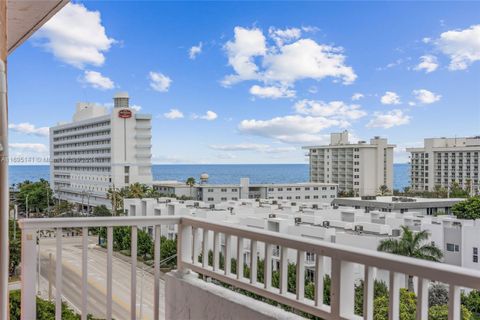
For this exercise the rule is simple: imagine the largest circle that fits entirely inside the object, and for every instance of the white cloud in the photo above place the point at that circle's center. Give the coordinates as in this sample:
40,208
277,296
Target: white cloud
76,36
426,97
462,46
271,92
29,147
97,80
173,114
284,36
209,116
28,128
136,107
247,44
307,59
195,51
284,62
357,96
334,109
388,119
390,97
428,63
252,147
291,129
159,81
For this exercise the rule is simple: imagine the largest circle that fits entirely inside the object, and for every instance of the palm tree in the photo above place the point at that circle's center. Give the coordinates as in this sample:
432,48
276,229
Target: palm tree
384,190
136,190
190,182
413,245
117,199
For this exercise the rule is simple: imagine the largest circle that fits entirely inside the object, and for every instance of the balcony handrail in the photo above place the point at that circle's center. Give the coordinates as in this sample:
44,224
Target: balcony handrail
193,239
416,267
93,222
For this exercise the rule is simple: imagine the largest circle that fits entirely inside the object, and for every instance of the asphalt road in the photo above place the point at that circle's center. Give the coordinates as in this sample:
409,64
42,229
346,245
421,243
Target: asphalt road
97,270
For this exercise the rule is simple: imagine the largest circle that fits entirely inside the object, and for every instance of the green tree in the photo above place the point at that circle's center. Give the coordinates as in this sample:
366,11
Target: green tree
441,313
144,245
116,197
37,196
456,191
467,209
407,306
101,211
62,207
471,301
413,245
168,249
15,247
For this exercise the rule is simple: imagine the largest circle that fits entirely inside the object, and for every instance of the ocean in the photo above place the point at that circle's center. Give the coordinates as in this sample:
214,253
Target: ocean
219,173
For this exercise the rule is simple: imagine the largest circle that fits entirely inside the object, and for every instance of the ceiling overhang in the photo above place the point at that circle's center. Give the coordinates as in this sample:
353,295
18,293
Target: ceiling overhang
27,16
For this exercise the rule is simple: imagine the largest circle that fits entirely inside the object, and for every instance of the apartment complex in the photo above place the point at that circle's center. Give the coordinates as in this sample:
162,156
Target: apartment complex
100,149
444,161
216,193
359,167
359,228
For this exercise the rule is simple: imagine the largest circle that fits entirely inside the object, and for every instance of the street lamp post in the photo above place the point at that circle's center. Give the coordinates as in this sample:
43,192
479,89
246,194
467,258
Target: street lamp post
26,206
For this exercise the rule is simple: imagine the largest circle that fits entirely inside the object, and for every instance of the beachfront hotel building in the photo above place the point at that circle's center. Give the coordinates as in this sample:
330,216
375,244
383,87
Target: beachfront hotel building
359,167
100,149
444,161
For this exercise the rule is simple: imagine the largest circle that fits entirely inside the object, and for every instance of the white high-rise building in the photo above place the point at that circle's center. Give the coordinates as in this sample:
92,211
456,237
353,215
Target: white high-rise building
359,167
444,161
100,149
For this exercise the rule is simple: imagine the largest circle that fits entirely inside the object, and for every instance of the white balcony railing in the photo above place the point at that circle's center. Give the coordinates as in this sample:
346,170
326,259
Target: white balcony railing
198,236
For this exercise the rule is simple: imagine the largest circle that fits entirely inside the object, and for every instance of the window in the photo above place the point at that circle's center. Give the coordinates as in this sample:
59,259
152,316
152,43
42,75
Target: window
297,189
210,199
210,190
315,188
234,198
127,180
280,189
270,189
475,255
289,189
223,190
307,188
127,169
234,190
223,199
452,247
307,197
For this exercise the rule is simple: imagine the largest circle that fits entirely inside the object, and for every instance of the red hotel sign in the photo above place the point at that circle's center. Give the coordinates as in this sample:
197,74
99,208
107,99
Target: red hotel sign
124,114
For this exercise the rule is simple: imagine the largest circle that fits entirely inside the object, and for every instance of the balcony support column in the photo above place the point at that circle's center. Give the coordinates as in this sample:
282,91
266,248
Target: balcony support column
4,191
29,272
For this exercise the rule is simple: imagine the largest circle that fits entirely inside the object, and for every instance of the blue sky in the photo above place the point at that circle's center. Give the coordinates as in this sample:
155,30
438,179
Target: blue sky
250,82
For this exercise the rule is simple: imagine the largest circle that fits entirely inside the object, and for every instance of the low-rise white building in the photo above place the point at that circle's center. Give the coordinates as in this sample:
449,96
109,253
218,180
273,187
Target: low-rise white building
216,193
425,206
458,239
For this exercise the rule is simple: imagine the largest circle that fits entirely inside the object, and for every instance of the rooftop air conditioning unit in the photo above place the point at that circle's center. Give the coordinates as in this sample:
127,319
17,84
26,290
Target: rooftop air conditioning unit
396,232
298,220
272,215
294,204
326,224
358,228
